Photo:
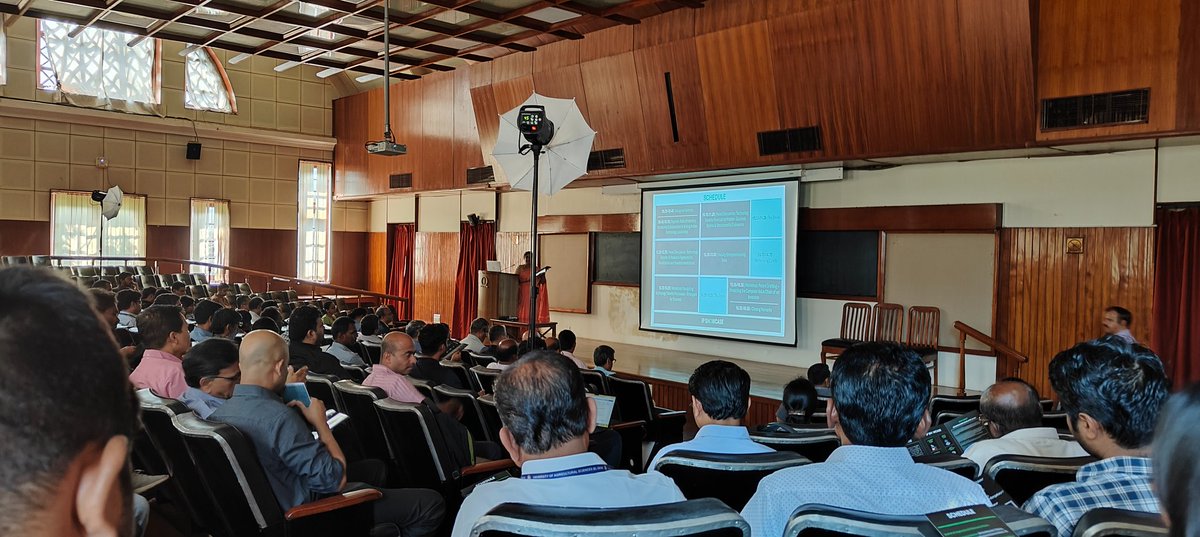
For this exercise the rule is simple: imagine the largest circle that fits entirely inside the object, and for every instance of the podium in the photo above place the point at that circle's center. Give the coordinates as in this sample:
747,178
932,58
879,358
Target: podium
497,294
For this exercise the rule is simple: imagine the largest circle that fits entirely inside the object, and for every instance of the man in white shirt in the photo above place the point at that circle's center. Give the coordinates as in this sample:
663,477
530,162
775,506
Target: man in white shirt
1013,414
474,340
566,345
1116,323
547,420
344,335
129,305
720,397
256,307
880,402
505,354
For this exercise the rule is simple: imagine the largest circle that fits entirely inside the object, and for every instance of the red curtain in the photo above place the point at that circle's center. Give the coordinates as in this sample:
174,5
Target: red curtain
400,269
1177,293
476,245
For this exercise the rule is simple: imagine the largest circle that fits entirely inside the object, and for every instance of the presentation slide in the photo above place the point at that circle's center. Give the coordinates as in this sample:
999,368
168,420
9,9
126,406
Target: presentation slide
721,261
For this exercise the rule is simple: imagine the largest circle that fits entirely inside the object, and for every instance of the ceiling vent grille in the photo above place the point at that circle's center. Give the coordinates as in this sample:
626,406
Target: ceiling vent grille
606,159
1082,111
480,176
800,140
400,180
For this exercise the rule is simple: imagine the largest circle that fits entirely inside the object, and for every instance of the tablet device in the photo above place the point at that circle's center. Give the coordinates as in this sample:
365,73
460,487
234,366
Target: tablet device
604,409
295,391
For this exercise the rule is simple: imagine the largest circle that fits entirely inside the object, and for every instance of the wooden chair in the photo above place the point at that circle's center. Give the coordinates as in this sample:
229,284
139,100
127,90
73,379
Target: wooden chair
856,328
924,324
889,322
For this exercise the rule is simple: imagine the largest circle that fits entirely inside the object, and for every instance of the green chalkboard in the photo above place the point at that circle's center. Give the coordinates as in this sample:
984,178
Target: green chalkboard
617,258
837,263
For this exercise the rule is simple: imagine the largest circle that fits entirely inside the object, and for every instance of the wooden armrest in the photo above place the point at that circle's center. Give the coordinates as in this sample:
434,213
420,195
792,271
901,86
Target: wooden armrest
626,425
333,503
487,467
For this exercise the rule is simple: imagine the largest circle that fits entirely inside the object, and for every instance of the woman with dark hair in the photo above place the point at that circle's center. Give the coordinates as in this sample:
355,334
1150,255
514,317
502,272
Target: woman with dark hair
799,402
1176,459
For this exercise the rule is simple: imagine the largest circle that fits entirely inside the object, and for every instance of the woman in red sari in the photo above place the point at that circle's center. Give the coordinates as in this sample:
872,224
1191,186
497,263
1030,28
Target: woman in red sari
524,276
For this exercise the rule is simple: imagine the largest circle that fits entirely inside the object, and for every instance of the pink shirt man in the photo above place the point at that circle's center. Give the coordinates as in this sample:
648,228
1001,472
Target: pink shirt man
394,384
161,372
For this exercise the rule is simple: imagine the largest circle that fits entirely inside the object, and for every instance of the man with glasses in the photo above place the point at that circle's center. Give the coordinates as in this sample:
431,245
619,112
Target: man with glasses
211,371
1011,411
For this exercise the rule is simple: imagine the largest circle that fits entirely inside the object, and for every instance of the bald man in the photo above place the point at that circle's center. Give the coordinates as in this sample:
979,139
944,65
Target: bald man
506,354
302,469
1012,412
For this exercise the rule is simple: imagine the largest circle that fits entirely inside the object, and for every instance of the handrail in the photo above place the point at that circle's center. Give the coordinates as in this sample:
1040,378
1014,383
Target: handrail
292,280
965,330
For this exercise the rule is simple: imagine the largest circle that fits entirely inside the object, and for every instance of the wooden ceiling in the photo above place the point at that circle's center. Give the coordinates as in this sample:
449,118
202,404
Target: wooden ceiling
347,36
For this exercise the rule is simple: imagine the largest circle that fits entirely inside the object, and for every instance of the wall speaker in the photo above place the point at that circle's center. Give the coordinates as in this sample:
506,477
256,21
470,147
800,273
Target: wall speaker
193,151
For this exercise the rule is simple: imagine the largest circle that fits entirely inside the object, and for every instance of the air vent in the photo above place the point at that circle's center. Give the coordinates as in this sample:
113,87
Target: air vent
400,180
789,141
1084,111
606,159
481,175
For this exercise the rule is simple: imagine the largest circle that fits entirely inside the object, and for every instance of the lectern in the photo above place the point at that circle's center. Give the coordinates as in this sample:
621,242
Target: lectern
497,294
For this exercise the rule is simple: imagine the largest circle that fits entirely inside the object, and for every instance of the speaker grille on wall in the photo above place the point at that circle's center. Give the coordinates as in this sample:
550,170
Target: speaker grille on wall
1082,111
789,141
193,151
606,159
400,180
480,175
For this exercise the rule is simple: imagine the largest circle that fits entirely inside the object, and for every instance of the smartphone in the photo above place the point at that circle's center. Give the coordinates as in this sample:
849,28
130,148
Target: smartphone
295,391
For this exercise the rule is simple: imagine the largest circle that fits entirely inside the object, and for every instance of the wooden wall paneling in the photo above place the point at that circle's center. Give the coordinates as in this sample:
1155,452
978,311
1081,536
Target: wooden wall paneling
1140,49
612,89
1187,113
348,265
487,120
975,217
556,55
719,16
377,261
584,223
24,237
511,247
169,241
736,72
435,264
1049,300
671,26
267,250
607,42
679,59
556,73
997,72
432,107
467,151
508,67
351,126
480,73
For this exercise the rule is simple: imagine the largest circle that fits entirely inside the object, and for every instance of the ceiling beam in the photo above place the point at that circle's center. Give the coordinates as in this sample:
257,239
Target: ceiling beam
99,13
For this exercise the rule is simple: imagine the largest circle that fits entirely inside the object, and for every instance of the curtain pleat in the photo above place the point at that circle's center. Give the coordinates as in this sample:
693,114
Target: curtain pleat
400,269
477,244
1176,334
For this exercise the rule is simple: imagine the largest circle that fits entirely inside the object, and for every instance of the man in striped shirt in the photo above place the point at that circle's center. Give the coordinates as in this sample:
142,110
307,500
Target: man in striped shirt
1112,391
397,358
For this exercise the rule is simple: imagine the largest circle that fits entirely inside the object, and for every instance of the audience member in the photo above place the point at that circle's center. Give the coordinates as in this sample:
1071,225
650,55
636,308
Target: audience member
880,402
496,334
370,328
387,316
720,393
356,315
129,304
818,375
221,297
1012,412
551,344
305,332
413,328
241,303
506,355
432,342
178,288
286,310
265,323
102,284
225,324
1112,392
188,305
1116,323
125,280
272,313
799,402
330,310
203,317
1176,459
148,295
165,337
256,306
606,360
345,343
211,371
479,331
167,299
67,435
105,303
547,419
300,468
566,344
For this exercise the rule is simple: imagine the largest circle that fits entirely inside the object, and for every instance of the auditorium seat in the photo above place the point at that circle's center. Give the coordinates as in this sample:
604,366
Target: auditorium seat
472,418
86,272
245,502
888,322
953,404
321,387
423,387
485,377
1023,476
952,463
199,278
856,328
198,292
596,380
814,520
1109,522
110,270
813,444
733,479
356,373
705,517
147,280
11,260
1058,420
924,327
242,288
145,270
491,415
634,403
359,403
460,370
39,260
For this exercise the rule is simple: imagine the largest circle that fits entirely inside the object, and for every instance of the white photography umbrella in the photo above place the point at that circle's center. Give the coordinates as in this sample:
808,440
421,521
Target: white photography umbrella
111,204
563,160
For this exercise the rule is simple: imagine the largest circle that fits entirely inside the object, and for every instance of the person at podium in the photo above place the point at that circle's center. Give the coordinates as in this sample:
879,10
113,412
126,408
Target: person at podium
524,277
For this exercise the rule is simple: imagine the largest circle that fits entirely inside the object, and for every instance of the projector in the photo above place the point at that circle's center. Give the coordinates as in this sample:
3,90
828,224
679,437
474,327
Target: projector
386,148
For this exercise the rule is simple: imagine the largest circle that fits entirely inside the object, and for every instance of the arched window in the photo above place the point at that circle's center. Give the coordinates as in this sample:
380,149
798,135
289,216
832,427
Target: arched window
207,87
97,63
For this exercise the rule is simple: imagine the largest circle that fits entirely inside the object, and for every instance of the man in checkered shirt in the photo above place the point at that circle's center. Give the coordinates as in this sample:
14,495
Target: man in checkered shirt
1112,391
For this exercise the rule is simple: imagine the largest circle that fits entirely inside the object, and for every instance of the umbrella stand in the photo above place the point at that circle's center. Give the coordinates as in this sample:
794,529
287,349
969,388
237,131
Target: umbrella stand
536,149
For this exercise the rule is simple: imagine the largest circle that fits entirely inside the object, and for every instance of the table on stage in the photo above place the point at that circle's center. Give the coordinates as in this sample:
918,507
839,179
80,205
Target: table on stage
549,329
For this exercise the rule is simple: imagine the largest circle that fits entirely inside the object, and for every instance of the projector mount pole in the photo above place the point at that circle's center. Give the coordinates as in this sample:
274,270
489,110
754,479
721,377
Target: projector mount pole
533,250
387,74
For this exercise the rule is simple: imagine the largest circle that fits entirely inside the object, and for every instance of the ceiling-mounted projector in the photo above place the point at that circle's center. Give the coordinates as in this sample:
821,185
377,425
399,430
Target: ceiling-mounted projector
386,148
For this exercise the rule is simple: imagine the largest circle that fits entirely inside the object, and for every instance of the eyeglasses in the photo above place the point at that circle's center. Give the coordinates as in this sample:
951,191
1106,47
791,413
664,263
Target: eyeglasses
983,420
235,378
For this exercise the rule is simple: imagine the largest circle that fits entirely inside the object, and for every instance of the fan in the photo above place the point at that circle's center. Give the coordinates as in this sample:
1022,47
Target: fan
110,202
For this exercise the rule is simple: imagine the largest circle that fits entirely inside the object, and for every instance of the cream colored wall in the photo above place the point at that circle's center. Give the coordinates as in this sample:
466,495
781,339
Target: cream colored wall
1178,172
434,211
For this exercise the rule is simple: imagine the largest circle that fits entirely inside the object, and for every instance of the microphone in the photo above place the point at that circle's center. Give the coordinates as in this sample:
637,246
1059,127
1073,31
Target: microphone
543,272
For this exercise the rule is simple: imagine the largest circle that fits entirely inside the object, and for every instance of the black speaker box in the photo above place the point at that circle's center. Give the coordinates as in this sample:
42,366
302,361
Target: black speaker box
193,151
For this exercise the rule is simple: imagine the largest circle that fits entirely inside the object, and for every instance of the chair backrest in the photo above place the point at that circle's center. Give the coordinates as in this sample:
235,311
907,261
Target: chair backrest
292,296
1109,522
200,278
595,379
147,280
145,270
359,403
423,387
814,520
472,417
889,322
39,260
232,475
110,270
321,387
460,370
1058,420
704,517
243,288
1023,476
485,377
954,404
199,292
924,324
952,463
415,441
482,359
856,321
181,277
633,399
733,479
491,414
85,272
813,444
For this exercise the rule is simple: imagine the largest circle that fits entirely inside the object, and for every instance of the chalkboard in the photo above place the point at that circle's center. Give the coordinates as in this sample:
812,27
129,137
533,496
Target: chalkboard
617,258
837,263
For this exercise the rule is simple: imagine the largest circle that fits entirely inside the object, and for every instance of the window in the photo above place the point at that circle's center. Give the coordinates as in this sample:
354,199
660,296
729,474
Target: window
98,63
312,250
210,237
207,86
77,227
3,56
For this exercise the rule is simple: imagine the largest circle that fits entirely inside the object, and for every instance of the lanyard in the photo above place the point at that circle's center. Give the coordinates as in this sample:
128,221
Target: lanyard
583,470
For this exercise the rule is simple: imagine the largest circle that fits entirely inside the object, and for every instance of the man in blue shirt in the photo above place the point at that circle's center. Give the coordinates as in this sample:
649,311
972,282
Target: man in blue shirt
203,315
1112,391
880,402
720,397
300,468
606,359
211,371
